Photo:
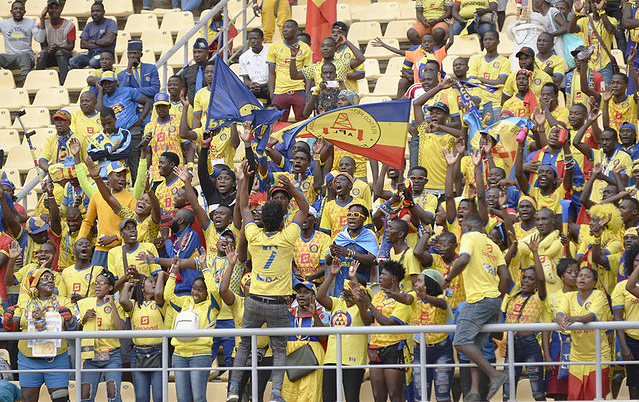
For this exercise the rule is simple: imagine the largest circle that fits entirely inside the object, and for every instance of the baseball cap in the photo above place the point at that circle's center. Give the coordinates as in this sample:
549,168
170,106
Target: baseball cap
200,43
116,166
525,50
62,114
107,76
36,225
123,222
340,25
578,49
58,2
161,98
440,106
308,285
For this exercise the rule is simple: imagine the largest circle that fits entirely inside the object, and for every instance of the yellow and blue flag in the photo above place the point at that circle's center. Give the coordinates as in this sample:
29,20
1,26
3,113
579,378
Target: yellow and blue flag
263,120
375,130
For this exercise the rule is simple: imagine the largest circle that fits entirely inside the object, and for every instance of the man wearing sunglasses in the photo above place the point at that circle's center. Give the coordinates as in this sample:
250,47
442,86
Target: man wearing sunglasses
334,215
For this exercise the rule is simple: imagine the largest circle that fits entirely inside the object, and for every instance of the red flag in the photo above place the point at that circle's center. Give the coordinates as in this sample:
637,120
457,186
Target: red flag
320,16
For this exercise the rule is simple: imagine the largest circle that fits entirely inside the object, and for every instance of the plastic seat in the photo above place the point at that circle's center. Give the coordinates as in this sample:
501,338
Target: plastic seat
362,87
374,99
31,174
76,80
381,12
41,134
397,30
386,86
14,177
20,158
407,11
177,59
235,68
36,117
77,8
344,13
138,23
14,99
371,69
52,98
119,8
157,40
511,8
5,8
5,118
121,42
505,47
465,46
298,13
160,12
394,66
381,53
619,57
357,6
38,79
10,138
364,31
6,79
174,21
216,391
34,7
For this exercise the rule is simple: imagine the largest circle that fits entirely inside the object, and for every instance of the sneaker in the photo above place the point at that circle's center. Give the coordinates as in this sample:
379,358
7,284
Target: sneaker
276,396
495,386
233,394
474,397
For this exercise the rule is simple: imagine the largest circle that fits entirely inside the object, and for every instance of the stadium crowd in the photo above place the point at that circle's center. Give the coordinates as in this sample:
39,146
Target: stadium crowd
146,221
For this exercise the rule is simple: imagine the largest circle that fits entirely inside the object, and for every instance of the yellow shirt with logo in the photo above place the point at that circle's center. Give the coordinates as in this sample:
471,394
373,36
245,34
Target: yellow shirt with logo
622,299
146,317
85,126
334,215
24,311
551,250
624,111
427,314
81,281
360,161
455,293
522,309
353,346
619,158
390,307
539,79
556,63
347,54
116,264
201,104
431,157
550,201
411,265
480,276
599,58
467,8
215,267
279,55
176,111
362,190
305,186
314,71
490,69
220,149
433,9
165,137
310,253
104,321
166,193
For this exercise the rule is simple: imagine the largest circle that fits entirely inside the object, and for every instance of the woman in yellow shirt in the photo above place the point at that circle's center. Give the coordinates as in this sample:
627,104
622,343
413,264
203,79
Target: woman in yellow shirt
101,313
147,313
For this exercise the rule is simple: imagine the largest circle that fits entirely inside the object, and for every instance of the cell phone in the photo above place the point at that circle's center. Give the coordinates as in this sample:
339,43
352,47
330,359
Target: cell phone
206,134
332,84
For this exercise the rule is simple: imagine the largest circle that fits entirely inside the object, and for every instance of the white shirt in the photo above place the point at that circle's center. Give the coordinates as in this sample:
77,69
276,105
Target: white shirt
254,65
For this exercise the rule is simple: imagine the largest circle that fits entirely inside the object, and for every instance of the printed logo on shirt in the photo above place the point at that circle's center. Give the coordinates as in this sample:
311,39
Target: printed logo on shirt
314,248
107,309
144,320
587,305
341,319
496,65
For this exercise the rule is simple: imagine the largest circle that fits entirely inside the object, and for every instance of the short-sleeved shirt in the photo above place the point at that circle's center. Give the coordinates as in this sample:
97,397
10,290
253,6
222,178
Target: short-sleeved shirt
493,69
522,309
431,157
334,215
166,193
85,126
539,79
467,8
18,35
550,201
517,106
427,314
81,281
416,60
619,158
103,321
455,293
599,58
124,102
574,93
347,54
353,346
95,31
272,256
116,263
433,9
626,301
480,276
411,264
253,65
621,112
60,35
556,63
279,55
310,253
399,312
314,71
165,137
146,317
56,148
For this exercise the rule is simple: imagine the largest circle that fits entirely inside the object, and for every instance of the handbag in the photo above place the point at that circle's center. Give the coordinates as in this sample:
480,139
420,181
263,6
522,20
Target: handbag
148,358
303,356
613,61
564,357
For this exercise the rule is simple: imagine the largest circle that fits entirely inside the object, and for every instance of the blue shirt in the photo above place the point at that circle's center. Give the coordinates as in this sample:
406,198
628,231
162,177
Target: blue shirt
124,102
93,31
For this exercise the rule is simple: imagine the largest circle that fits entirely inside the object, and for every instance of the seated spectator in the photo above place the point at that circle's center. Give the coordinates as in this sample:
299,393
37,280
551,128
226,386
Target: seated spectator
98,35
107,60
57,36
193,75
86,121
476,16
17,33
253,67
430,19
141,76
214,35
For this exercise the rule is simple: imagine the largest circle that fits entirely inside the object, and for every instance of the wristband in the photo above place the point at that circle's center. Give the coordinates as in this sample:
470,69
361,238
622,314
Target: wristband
597,241
157,260
293,57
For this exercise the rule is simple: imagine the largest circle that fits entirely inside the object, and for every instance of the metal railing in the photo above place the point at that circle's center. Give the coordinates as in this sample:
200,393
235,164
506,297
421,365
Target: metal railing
511,329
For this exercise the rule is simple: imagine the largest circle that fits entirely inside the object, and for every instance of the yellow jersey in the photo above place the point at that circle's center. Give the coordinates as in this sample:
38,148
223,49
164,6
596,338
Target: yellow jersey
314,71
55,152
550,201
201,104
85,126
427,314
310,253
624,300
556,63
561,115
165,137
550,252
455,293
517,106
621,112
116,263
176,111
81,281
362,190
360,162
433,9
411,264
493,69
480,276
24,311
145,317
539,79
215,268
390,307
354,347
431,157
334,215
347,54
279,55
619,158
522,309
467,8
599,58
104,321
166,193
220,149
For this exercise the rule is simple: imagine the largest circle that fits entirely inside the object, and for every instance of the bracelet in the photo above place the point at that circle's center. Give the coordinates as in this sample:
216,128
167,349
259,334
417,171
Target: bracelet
157,260
293,57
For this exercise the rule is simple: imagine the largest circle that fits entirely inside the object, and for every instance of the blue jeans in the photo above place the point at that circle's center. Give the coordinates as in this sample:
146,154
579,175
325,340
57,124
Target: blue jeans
527,350
83,60
143,382
480,28
187,5
93,378
440,353
606,73
227,342
187,382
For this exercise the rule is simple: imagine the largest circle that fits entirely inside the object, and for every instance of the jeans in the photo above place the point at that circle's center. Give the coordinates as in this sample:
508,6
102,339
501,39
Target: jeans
191,382
143,381
227,342
480,28
93,378
60,58
440,353
351,379
632,370
606,73
83,60
527,350
257,313
187,5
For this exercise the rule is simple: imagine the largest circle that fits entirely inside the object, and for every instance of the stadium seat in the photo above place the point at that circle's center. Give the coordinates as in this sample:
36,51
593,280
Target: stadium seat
344,13
14,177
619,58
511,9
397,30
407,11
138,23
36,117
373,99
235,68
298,13
394,66
505,47
216,391
10,138
169,73
160,12
51,98
76,80
362,87
14,99
381,12
381,53
371,68
465,46
37,79
386,86
364,31
157,40
20,158
147,57
447,63
31,174
41,134
509,20
34,7
358,7
174,21
6,79
5,118
121,42
77,8
5,8
561,101
119,8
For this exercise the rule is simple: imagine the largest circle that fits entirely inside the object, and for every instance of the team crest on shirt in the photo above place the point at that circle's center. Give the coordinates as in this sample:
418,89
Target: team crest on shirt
624,104
341,319
548,63
87,276
107,309
537,81
306,185
314,248
147,78
587,305
153,306
223,137
356,192
496,65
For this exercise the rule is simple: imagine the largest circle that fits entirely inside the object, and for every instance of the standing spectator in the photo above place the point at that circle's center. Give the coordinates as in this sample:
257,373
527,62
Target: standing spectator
124,102
85,123
163,134
97,35
110,144
344,52
285,92
253,67
270,10
141,76
218,39
56,147
57,36
193,75
17,33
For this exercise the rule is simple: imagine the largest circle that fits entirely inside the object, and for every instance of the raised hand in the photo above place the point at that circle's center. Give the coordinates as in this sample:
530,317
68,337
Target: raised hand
247,132
15,250
451,158
318,145
476,158
94,170
594,113
632,55
336,266
460,145
607,95
539,117
295,50
231,255
74,146
533,244
352,271
183,174
377,42
184,99
202,258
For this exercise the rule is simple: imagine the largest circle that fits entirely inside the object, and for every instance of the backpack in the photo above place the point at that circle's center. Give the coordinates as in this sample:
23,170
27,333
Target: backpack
187,320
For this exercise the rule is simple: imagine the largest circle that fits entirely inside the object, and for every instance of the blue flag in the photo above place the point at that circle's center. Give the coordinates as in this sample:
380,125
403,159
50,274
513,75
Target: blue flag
472,118
263,120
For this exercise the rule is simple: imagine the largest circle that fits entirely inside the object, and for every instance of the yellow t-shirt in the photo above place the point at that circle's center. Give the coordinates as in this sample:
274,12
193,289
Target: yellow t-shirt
215,267
347,54
201,104
492,70
363,191
314,71
334,215
480,276
522,309
619,158
148,316
310,254
272,256
517,106
81,281
353,346
212,236
165,137
550,201
411,265
622,299
166,193
66,255
555,62
390,307
279,55
360,161
433,9
599,58
147,229
103,321
455,293
108,222
621,112
467,8
220,149
583,341
175,112
450,97
427,314
561,115
24,273
431,157
539,79
116,264
305,186
53,152
550,252
85,126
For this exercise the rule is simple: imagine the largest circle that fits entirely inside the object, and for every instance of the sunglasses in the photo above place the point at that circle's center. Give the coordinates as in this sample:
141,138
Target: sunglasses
415,178
355,215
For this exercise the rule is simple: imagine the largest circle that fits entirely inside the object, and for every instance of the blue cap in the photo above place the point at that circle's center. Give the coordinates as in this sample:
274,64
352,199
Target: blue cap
161,98
116,166
200,43
552,166
36,225
308,285
7,183
134,44
627,124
